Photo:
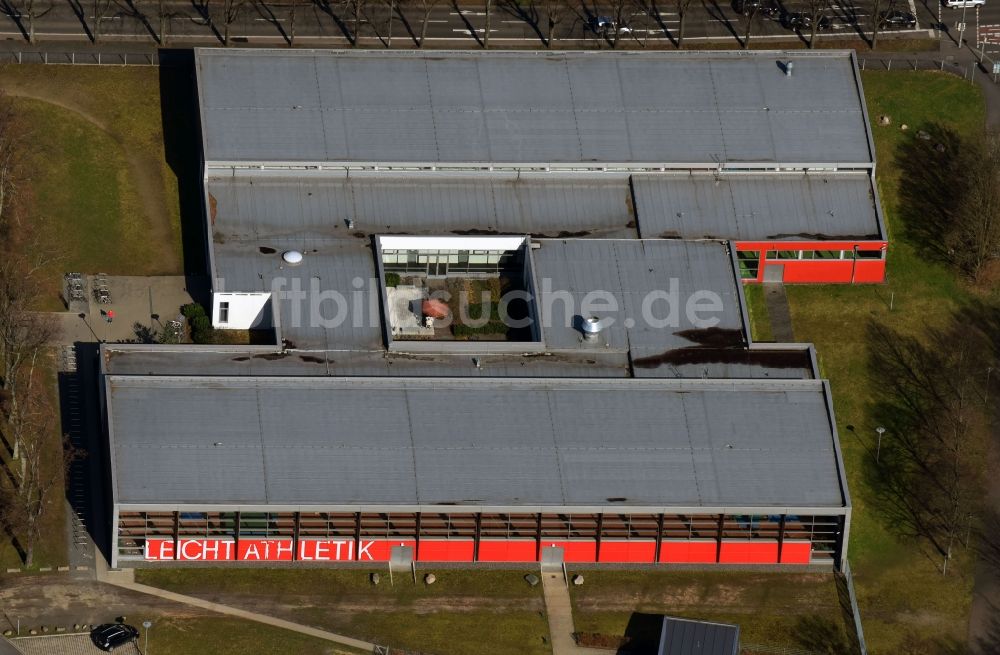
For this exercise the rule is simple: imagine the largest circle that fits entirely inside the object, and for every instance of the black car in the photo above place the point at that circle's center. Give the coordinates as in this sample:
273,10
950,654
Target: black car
897,19
767,8
113,635
802,22
796,20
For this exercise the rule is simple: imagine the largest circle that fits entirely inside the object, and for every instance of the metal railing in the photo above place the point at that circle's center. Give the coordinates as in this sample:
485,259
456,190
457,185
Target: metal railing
81,58
854,609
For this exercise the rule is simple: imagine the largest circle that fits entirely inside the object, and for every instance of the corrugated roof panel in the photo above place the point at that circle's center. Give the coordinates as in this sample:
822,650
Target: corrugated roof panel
756,207
529,108
289,440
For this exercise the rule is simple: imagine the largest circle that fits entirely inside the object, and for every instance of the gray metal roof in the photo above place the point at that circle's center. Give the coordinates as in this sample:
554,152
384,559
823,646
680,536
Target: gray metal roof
132,359
284,203
492,442
757,207
687,637
631,273
530,108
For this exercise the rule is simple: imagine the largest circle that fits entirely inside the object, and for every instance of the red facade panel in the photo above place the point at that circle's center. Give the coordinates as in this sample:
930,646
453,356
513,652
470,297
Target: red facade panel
379,550
630,550
796,551
209,550
508,550
267,550
758,551
159,549
445,550
819,271
325,550
575,550
685,551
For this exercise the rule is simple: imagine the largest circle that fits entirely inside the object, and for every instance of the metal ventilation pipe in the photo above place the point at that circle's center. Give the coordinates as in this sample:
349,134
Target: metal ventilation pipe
591,328
788,68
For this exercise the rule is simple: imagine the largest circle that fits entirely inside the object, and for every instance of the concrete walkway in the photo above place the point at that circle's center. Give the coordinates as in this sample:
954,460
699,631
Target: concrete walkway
126,580
778,312
559,610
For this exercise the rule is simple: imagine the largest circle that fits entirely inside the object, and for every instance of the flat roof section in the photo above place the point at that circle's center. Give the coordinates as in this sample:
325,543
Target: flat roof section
652,284
490,443
515,108
259,204
757,207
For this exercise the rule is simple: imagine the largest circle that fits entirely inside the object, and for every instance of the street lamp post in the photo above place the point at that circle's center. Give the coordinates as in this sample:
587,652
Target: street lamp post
146,625
878,448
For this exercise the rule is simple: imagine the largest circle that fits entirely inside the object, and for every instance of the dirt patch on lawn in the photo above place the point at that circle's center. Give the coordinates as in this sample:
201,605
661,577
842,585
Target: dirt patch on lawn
146,171
60,600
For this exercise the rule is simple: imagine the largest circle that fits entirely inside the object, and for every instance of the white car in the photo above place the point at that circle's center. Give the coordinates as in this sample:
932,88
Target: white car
958,4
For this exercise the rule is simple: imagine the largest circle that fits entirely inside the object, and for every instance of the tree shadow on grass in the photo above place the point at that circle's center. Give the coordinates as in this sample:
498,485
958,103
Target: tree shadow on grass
821,635
933,168
181,130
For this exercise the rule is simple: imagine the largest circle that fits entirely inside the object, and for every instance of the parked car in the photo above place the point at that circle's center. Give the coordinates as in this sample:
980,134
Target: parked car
112,635
767,8
895,19
958,4
802,22
601,24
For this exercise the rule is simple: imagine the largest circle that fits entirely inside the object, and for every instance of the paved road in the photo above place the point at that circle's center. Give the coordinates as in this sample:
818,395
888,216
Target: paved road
327,23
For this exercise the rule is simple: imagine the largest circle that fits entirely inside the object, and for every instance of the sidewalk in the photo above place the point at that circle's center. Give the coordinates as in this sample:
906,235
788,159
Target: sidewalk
559,610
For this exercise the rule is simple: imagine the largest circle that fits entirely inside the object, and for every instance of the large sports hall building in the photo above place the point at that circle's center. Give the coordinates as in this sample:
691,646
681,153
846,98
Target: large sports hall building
599,399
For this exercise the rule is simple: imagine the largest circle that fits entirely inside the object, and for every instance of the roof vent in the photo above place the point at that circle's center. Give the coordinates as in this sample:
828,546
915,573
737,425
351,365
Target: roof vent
292,257
591,328
788,68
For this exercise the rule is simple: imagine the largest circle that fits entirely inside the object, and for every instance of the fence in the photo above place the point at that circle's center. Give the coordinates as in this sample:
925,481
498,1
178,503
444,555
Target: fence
82,58
854,608
969,69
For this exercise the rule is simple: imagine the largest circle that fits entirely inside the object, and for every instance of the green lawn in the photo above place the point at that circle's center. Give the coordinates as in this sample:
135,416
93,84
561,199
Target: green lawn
101,196
760,324
227,636
905,602
778,610
490,611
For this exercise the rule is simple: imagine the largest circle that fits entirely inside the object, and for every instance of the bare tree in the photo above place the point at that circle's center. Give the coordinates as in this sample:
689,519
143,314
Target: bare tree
488,7
751,10
29,489
231,11
682,12
877,25
816,11
381,22
101,10
426,8
555,11
293,6
973,239
932,400
23,332
24,13
12,156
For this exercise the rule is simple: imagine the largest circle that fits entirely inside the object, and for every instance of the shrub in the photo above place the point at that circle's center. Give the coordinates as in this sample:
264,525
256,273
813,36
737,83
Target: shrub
392,279
191,311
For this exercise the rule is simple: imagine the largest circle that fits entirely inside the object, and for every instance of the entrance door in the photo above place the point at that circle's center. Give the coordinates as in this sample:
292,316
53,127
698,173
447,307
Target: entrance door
401,558
774,273
552,558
